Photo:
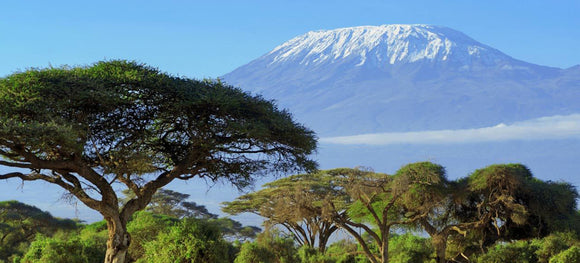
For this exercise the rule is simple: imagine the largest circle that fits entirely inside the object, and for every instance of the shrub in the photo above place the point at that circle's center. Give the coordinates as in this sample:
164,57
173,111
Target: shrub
269,247
570,255
84,247
190,240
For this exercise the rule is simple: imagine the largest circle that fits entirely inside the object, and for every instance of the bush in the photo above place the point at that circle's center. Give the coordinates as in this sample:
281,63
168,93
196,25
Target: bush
269,247
410,248
515,252
144,227
252,252
191,240
346,251
312,255
74,247
553,244
557,247
570,255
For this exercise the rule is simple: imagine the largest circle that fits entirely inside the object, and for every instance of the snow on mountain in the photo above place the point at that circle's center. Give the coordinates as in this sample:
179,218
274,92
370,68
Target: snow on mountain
387,44
396,78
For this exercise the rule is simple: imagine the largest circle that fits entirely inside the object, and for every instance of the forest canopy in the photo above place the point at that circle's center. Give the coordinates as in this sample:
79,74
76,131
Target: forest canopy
463,218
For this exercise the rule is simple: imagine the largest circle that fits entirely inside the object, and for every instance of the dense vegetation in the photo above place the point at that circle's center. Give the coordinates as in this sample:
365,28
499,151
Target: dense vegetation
117,122
468,219
500,213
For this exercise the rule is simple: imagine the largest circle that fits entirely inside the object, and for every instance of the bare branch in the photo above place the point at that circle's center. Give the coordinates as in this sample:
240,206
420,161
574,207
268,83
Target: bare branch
74,188
16,165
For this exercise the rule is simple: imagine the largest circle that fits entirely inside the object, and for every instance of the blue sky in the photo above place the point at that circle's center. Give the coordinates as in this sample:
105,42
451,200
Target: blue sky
210,38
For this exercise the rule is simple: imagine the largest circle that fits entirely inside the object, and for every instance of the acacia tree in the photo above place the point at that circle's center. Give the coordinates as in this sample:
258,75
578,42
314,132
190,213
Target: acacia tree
87,128
352,199
498,202
505,202
374,202
295,203
428,201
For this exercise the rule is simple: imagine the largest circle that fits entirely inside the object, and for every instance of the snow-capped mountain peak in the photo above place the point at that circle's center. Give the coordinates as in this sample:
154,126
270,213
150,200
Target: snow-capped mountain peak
386,44
404,77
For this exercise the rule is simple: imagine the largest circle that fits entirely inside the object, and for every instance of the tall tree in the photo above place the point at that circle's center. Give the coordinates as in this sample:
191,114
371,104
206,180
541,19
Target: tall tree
86,128
505,202
294,202
428,201
498,202
374,202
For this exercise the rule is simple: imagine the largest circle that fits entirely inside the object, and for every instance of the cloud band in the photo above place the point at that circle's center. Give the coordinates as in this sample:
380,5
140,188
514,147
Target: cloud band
553,127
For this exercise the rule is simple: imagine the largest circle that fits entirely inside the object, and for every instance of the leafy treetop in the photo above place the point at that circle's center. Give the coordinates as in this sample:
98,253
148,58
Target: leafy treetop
85,128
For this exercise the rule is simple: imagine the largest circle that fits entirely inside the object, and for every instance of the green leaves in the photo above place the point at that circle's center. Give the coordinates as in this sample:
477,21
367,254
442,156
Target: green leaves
72,247
189,241
51,140
498,202
19,223
115,121
120,109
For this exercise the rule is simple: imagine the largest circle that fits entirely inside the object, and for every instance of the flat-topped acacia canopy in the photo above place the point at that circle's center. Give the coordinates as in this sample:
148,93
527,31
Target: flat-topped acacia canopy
85,128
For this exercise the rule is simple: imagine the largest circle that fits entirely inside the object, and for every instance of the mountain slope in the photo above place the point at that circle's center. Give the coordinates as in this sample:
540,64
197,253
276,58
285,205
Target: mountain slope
404,77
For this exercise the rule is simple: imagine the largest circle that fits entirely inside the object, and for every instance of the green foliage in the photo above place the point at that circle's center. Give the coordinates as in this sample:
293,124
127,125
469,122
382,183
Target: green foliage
345,251
20,223
295,203
388,201
190,240
505,187
145,227
308,254
553,244
421,185
318,203
498,202
553,204
570,255
86,128
557,247
505,202
410,248
86,246
128,118
252,252
171,203
517,252
232,229
269,247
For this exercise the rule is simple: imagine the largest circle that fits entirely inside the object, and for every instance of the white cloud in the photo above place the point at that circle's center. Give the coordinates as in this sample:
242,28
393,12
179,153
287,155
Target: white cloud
554,127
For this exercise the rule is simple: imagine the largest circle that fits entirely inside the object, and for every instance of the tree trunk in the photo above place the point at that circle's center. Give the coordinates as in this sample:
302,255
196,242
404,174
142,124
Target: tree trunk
321,247
118,242
385,251
440,244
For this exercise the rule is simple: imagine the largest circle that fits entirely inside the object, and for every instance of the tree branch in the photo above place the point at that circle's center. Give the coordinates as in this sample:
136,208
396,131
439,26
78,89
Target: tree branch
16,165
361,242
74,189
